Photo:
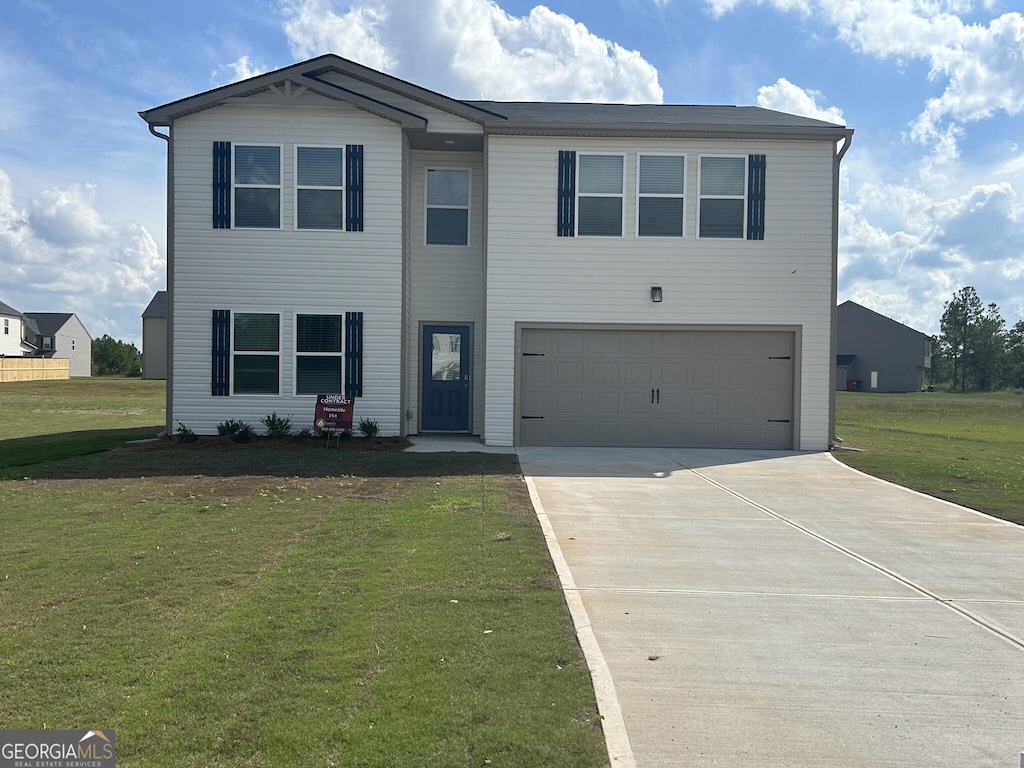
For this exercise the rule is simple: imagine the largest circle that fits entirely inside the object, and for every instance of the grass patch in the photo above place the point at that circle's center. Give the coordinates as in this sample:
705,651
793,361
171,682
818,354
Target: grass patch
287,604
968,449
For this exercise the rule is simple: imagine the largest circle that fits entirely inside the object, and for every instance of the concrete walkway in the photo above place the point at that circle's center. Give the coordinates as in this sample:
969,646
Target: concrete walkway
743,608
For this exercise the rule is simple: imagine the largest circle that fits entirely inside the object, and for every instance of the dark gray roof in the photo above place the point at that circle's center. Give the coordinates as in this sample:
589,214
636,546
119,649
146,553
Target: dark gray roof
48,323
517,117
157,306
7,309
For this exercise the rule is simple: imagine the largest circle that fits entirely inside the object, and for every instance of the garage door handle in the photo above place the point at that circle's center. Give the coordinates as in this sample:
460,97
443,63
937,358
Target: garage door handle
778,421
655,393
531,417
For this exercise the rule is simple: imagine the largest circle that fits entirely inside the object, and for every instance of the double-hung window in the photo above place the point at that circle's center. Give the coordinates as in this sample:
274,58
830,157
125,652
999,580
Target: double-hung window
599,187
447,206
318,354
257,186
660,185
256,354
723,197
320,187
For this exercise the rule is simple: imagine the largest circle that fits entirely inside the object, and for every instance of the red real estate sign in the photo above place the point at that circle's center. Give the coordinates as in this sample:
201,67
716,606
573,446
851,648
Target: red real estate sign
333,413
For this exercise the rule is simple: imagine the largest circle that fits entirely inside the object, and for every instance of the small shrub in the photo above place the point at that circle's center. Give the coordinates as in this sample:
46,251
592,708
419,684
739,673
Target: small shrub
369,428
231,427
306,433
277,426
184,434
245,434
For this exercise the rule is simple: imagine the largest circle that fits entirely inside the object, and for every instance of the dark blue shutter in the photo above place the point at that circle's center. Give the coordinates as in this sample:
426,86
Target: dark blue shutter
566,193
221,375
353,354
222,185
354,188
755,197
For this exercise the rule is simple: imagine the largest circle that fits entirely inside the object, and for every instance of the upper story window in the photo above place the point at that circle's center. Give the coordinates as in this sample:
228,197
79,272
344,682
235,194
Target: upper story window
723,197
318,354
447,206
256,354
660,185
320,188
257,186
599,195
47,342
72,345
7,327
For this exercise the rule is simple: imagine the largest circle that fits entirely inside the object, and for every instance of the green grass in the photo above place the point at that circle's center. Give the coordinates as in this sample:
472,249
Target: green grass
968,449
281,604
51,420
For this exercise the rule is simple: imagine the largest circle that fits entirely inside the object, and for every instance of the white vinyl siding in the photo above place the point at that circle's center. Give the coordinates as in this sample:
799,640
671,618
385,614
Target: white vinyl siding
286,271
535,277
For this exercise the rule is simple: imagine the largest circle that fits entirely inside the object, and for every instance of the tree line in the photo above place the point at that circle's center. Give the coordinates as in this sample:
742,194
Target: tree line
975,351
111,357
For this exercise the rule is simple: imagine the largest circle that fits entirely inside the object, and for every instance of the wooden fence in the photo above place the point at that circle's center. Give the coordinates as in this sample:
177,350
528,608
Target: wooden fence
33,368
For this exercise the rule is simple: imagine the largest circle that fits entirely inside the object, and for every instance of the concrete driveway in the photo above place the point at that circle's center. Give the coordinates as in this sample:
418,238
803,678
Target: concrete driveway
744,608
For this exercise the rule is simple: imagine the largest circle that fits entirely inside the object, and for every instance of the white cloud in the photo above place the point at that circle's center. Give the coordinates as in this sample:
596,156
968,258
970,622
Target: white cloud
241,69
60,256
784,96
982,65
905,250
474,49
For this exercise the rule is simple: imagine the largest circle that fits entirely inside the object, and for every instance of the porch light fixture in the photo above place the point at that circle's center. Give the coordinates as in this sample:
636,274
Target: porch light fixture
655,293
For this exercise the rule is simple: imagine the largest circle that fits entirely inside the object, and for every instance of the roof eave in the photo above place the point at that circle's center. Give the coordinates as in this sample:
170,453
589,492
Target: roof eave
670,130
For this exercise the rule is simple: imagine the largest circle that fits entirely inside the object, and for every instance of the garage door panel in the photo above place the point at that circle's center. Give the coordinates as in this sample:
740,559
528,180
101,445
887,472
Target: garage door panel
661,388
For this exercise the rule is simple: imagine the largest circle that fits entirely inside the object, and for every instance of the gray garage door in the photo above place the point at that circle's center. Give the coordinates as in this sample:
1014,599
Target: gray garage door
710,389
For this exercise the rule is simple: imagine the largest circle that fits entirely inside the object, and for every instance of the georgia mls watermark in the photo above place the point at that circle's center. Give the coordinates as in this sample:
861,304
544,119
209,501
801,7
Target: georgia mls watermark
56,749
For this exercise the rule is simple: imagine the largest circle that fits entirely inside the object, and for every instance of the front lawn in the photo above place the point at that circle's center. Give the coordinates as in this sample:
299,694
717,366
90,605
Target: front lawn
968,449
289,606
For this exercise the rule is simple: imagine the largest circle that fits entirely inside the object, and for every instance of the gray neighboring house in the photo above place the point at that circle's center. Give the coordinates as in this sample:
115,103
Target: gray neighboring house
878,354
154,338
61,335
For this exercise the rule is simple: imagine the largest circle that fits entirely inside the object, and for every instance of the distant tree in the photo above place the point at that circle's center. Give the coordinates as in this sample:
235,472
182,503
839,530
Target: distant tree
1015,355
959,318
986,359
111,357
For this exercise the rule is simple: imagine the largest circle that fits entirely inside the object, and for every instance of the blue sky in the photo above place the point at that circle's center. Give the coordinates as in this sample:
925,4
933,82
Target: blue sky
932,188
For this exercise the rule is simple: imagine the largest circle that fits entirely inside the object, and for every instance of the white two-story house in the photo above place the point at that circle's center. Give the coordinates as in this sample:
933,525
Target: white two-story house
532,273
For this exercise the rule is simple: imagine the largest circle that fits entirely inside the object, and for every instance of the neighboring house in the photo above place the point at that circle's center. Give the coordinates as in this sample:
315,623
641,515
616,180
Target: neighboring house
154,338
62,335
533,273
14,333
877,354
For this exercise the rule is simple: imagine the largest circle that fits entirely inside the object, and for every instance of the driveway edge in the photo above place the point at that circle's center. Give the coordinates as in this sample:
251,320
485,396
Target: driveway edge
620,751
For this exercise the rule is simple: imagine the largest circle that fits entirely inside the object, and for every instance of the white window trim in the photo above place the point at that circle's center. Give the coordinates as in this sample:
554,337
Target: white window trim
279,187
280,346
745,197
621,195
640,194
468,207
295,171
296,354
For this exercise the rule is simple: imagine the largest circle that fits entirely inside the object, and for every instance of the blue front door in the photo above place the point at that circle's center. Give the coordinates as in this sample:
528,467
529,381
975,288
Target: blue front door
446,378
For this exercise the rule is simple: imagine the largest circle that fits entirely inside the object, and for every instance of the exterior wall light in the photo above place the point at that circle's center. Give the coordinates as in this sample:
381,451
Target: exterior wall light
655,293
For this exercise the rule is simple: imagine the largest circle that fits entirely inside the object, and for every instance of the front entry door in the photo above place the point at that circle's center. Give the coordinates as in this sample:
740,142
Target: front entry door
446,377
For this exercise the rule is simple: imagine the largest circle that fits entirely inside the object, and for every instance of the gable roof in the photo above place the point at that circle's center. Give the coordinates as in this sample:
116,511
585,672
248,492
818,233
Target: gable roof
48,323
8,310
855,308
157,306
510,117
